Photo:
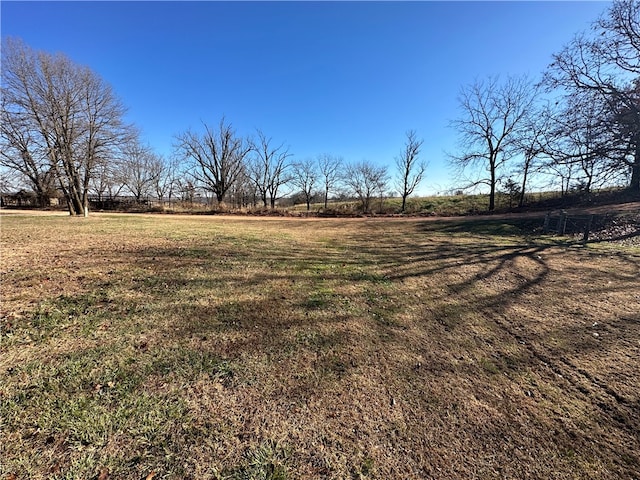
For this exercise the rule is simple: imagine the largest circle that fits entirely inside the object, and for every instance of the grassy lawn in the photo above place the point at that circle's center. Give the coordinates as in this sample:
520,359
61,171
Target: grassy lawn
440,205
259,348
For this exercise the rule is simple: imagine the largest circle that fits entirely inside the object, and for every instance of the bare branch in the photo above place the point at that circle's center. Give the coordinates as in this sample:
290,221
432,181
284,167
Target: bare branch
410,169
269,168
218,156
61,115
366,180
493,117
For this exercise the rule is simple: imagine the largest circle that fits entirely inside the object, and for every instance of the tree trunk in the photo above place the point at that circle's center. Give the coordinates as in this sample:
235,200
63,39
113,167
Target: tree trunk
74,192
85,202
77,206
70,204
365,205
326,197
587,187
524,183
635,176
41,198
635,170
492,192
404,202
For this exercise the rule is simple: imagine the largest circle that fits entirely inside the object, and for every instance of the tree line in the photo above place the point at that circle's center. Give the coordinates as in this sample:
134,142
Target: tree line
579,125
63,130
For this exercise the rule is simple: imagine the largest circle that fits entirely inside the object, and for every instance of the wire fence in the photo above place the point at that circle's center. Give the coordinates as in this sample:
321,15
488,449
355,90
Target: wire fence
565,224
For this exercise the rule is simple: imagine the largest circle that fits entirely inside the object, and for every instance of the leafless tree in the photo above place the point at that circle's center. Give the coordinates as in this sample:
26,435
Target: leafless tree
71,116
305,177
492,115
269,168
218,156
366,180
535,143
583,138
243,193
331,172
106,182
410,169
20,153
9,180
607,64
187,189
165,183
140,169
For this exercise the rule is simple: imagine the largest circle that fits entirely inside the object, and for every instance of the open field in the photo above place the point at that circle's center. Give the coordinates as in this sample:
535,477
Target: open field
141,346
473,204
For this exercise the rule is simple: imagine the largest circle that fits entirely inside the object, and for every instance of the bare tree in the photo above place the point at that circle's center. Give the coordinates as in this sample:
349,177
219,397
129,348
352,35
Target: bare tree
366,180
493,113
410,170
562,171
269,168
243,192
187,189
106,182
218,156
70,114
21,153
140,169
305,176
9,179
582,138
607,64
331,171
534,142
165,183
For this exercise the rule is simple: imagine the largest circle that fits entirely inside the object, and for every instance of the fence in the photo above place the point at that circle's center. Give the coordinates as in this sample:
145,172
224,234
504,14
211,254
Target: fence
563,223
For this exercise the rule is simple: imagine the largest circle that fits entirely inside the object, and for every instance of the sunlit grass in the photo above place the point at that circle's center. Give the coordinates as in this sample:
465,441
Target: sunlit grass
223,347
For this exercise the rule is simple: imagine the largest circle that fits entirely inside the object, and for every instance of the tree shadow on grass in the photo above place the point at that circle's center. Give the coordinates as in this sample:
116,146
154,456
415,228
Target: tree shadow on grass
432,316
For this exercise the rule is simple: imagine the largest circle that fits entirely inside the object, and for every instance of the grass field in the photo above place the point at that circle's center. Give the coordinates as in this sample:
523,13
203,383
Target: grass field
438,205
152,347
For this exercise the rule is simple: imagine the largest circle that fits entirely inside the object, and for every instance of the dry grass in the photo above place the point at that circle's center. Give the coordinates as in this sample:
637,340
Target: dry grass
198,347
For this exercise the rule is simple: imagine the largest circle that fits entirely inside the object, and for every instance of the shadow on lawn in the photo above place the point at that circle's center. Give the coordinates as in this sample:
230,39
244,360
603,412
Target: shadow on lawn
371,266
520,275
481,275
313,317
448,319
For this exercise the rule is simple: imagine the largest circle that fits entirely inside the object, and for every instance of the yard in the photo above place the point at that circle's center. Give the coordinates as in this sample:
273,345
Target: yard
168,346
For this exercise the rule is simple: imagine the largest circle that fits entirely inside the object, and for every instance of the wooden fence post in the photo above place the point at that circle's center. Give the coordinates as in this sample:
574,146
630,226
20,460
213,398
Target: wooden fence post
547,219
587,229
562,223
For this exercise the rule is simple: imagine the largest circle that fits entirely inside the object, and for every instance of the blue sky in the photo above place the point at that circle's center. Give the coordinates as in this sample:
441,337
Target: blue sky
346,78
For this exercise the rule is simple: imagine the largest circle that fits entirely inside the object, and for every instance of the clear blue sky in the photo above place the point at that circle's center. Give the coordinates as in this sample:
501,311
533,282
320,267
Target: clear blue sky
346,78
